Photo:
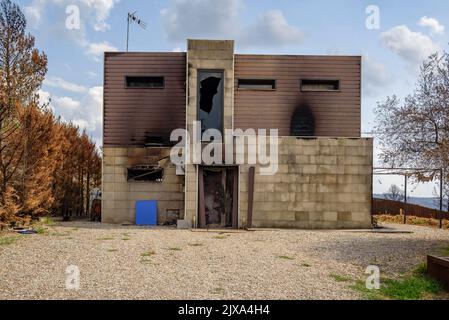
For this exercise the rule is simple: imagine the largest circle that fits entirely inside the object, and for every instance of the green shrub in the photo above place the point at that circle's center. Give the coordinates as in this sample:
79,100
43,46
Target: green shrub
413,286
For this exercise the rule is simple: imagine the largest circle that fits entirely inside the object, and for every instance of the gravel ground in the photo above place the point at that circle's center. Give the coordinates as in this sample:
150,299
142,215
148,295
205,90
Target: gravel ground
129,262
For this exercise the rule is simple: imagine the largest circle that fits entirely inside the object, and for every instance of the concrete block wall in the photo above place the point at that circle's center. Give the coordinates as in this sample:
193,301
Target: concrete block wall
207,55
320,183
119,195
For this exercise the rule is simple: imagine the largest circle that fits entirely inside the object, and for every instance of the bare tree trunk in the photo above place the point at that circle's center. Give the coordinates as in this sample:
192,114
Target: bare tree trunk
2,168
88,188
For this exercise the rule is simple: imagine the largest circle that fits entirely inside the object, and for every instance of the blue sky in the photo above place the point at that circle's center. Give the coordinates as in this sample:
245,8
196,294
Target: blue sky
408,31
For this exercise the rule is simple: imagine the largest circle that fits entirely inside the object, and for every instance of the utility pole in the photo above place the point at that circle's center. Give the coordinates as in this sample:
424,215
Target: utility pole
130,19
441,198
127,32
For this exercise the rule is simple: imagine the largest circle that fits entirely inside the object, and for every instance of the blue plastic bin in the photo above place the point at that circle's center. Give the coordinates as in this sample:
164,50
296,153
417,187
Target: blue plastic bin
146,212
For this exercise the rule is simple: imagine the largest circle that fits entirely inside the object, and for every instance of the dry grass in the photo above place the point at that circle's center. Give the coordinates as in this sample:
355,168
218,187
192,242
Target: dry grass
412,221
5,240
286,257
148,253
196,244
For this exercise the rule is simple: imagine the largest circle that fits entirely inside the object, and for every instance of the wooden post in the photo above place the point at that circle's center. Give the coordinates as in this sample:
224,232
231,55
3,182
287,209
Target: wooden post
249,219
441,198
405,199
372,198
235,198
201,202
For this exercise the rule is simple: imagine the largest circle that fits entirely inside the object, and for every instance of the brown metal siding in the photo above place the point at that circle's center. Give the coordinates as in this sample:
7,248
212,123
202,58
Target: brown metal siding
129,114
337,114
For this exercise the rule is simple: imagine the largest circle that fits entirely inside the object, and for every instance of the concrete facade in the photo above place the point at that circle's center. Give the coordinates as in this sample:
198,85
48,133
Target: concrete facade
320,183
119,195
205,55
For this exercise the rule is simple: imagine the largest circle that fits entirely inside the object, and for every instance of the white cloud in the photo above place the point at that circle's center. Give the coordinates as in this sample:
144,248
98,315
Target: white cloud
200,18
33,12
101,9
375,76
63,84
85,113
271,29
92,74
93,12
93,16
435,26
414,47
65,106
96,50
93,108
44,96
81,123
220,19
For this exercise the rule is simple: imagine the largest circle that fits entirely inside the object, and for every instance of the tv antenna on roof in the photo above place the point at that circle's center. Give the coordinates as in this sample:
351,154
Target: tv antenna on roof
133,18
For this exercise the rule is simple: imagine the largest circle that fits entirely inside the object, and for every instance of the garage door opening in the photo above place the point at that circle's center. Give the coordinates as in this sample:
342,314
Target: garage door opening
218,197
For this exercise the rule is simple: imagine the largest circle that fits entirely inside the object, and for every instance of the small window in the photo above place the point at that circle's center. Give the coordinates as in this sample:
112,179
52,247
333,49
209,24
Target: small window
144,82
319,85
257,84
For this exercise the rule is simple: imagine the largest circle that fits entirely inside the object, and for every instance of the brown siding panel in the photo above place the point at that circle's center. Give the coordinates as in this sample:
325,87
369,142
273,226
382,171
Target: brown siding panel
337,114
129,114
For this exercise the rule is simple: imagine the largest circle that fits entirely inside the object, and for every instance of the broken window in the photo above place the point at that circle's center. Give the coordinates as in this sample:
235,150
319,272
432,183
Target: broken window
210,100
145,173
257,84
144,82
320,85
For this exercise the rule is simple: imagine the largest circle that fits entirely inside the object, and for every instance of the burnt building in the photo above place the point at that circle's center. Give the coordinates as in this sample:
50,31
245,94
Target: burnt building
322,176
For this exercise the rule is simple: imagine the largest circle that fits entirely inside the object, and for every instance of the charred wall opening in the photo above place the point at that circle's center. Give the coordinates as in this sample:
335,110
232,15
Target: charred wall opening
157,139
303,121
145,173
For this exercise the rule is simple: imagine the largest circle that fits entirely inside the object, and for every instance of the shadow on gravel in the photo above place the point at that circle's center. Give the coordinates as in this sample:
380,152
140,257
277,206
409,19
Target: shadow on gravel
92,225
395,253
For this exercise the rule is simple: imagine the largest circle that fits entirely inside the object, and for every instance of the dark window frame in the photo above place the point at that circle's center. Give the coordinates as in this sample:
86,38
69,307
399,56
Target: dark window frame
301,88
274,86
223,75
144,76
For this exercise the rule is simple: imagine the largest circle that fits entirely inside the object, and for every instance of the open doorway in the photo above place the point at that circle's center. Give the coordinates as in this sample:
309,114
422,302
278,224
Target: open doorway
218,197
